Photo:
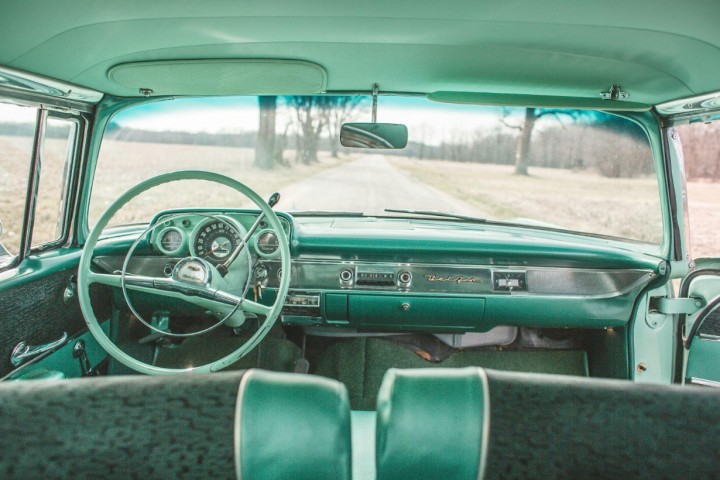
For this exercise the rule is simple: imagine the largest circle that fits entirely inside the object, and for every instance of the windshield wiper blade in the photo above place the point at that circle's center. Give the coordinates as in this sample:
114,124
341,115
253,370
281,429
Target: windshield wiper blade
325,213
435,213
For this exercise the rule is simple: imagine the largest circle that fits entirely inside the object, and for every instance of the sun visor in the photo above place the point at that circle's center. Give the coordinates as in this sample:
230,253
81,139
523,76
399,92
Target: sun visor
539,101
221,77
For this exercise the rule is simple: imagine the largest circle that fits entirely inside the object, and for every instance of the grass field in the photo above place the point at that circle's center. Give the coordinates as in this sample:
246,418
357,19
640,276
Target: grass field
123,164
622,207
580,201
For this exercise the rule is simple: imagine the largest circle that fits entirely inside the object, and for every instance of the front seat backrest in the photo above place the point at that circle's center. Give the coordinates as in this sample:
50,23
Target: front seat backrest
432,424
119,427
175,427
291,426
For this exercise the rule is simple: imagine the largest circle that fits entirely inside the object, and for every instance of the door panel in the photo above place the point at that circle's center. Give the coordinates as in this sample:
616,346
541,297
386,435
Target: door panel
36,311
702,328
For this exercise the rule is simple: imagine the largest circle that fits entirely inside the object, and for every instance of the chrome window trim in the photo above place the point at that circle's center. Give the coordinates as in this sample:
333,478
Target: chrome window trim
704,382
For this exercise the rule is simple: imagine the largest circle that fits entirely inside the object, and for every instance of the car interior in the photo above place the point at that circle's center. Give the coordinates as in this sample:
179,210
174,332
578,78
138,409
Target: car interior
399,240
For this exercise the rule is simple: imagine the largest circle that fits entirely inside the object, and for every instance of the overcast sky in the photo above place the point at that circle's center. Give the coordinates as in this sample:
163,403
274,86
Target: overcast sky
426,120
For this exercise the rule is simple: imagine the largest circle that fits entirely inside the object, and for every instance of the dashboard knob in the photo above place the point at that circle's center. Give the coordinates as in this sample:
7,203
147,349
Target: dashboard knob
260,272
346,275
404,278
405,307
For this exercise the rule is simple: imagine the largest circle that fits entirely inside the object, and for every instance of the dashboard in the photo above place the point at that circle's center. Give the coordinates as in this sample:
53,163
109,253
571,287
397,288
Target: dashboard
400,274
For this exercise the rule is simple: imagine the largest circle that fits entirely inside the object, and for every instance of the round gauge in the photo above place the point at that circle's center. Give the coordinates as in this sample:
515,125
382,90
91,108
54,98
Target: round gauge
216,240
267,243
171,240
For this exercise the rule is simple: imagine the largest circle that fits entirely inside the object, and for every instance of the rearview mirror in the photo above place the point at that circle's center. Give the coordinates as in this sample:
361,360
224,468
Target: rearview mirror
374,135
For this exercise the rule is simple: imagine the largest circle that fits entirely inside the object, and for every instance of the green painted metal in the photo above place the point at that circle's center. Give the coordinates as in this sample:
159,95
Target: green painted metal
652,335
673,306
444,245
414,312
39,265
85,277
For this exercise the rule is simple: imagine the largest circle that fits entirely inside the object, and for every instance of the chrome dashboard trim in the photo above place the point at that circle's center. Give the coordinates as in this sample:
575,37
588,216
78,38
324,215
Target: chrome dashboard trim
429,278
467,279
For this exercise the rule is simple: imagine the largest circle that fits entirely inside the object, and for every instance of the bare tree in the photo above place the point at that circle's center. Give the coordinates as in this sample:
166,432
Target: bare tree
265,146
339,109
314,115
309,122
522,153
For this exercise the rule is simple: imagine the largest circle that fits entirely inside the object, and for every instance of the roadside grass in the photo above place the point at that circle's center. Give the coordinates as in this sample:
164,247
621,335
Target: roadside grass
575,200
123,165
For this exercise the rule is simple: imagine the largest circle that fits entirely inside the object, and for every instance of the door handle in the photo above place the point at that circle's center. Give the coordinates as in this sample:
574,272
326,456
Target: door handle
23,351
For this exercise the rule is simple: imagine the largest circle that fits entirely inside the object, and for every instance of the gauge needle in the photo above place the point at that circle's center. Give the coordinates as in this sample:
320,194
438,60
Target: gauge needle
219,246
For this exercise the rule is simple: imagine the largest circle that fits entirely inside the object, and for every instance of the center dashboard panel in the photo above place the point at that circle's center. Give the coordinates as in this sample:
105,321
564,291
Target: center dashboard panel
441,297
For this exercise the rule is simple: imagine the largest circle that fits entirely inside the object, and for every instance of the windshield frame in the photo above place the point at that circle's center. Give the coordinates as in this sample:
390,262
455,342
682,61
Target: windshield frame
647,121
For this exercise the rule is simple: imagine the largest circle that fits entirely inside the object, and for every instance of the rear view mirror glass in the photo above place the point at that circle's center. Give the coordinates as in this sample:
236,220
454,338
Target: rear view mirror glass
374,135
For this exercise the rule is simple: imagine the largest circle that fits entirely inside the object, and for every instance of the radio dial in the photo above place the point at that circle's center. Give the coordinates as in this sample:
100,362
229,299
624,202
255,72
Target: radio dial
346,275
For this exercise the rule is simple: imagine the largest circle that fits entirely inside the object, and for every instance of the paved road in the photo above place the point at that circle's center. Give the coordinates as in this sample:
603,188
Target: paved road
369,185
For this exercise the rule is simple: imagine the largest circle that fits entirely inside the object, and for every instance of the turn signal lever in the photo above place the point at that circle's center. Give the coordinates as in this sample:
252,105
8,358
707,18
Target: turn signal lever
225,266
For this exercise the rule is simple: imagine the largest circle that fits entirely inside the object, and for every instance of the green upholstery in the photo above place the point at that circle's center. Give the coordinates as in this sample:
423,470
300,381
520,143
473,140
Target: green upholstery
119,427
181,426
431,424
291,426
546,426
543,426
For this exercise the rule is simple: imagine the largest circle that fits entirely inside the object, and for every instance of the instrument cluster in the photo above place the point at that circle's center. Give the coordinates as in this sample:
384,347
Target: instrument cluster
214,236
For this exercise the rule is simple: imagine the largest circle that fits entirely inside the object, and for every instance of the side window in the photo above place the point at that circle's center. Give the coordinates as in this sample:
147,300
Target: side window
17,133
22,157
701,151
58,150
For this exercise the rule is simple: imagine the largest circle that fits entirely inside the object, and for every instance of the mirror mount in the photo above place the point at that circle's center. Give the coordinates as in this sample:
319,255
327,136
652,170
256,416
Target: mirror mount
375,90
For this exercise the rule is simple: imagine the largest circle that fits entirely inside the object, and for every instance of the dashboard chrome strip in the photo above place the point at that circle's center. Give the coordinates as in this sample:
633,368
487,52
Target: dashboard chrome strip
431,278
428,278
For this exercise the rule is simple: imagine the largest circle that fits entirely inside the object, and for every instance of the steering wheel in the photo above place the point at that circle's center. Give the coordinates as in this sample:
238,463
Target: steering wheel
204,289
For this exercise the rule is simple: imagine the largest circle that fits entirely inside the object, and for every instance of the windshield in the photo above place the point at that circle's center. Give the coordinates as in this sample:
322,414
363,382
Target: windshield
582,171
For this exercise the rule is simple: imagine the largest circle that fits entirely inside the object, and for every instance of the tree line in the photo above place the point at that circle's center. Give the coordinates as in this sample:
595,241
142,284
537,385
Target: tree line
577,140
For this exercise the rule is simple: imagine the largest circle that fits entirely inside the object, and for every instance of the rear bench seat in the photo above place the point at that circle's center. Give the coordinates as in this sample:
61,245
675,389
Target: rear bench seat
471,423
249,425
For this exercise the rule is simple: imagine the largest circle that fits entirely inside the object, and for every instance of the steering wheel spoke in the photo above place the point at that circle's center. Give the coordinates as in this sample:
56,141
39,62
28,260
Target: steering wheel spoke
110,279
255,307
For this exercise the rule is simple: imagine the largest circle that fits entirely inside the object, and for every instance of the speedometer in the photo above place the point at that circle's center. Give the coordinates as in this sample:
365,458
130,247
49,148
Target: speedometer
216,240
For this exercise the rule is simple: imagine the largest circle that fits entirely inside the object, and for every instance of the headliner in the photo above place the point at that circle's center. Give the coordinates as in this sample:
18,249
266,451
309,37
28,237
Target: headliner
658,50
